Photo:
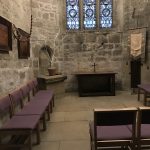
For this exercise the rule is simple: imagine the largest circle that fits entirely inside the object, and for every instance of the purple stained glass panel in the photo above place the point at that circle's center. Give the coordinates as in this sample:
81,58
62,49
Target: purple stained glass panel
72,12
89,9
106,13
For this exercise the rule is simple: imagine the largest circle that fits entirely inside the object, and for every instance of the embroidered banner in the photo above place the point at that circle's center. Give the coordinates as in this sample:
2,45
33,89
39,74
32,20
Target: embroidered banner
136,44
137,41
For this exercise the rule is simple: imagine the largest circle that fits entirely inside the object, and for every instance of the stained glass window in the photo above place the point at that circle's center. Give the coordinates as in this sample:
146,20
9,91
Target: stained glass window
89,9
72,14
105,13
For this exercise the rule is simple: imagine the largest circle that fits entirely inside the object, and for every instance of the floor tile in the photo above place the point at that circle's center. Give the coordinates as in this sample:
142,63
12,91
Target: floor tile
75,145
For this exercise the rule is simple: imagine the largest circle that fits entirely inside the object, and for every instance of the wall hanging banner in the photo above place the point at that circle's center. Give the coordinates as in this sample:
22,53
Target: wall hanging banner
137,42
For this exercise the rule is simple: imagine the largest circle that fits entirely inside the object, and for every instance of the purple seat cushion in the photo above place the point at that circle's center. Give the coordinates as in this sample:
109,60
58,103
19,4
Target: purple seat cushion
118,132
144,87
32,109
21,122
145,130
43,98
40,100
5,104
45,94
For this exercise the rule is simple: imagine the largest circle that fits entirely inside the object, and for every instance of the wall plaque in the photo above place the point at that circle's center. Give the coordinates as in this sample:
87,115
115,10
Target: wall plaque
23,44
5,35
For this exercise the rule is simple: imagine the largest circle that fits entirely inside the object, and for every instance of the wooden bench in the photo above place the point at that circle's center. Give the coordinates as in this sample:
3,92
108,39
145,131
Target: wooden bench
26,118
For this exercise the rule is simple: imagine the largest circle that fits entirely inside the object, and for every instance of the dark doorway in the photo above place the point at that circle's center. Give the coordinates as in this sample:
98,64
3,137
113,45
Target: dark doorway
135,73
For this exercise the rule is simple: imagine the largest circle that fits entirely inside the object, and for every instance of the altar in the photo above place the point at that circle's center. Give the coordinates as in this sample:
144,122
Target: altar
96,83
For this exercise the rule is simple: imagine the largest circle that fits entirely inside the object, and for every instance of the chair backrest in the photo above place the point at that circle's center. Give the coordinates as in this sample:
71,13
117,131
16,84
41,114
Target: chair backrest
25,92
35,82
142,130
5,105
110,117
32,87
144,115
17,99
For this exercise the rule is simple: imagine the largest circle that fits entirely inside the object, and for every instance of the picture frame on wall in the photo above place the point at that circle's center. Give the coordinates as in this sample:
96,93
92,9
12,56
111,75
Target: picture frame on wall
23,45
5,35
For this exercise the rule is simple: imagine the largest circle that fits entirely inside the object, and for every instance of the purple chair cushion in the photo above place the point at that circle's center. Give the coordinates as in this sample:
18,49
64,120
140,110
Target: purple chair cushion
32,109
21,122
5,104
119,132
145,130
113,132
44,95
144,87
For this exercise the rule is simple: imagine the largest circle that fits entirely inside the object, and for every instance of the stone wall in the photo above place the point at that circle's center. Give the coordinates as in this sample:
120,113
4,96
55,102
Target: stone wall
46,30
136,16
13,71
73,51
84,48
109,50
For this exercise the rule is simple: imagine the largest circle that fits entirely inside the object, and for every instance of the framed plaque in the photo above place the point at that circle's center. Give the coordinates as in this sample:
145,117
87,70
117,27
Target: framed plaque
5,35
23,45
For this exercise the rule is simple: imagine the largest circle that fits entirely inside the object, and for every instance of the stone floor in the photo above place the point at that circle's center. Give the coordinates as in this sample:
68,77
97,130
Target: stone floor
68,128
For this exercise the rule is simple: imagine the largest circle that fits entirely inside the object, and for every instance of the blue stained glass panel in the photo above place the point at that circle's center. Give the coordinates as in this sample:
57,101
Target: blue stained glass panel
72,12
106,13
89,9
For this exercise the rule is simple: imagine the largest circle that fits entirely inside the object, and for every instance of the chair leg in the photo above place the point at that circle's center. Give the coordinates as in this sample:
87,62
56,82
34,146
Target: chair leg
51,106
44,121
138,94
53,101
30,140
48,112
38,134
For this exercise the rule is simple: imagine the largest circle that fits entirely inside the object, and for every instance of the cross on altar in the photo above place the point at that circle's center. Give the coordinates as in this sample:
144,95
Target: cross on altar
94,65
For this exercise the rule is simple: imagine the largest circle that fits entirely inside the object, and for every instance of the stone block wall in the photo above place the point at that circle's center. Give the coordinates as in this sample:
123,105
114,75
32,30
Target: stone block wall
73,51
46,30
13,71
82,50
136,15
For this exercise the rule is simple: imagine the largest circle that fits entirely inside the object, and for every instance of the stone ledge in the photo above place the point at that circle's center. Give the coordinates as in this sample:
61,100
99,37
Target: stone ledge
45,80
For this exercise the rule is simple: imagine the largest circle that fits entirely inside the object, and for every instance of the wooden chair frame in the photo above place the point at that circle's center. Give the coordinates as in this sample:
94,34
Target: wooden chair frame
143,118
115,143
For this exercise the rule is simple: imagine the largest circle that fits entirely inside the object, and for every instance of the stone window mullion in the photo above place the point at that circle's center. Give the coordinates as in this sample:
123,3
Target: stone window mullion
81,14
97,14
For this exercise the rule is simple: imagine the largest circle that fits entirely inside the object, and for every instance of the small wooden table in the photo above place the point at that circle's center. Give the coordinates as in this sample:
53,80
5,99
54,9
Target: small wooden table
96,83
146,91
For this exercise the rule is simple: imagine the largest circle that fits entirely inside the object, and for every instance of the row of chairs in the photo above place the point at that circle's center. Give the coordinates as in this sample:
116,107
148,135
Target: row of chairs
127,128
27,106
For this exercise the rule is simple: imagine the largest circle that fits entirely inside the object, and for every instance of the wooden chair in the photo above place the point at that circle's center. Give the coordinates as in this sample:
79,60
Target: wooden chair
144,89
31,108
143,128
18,128
111,128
